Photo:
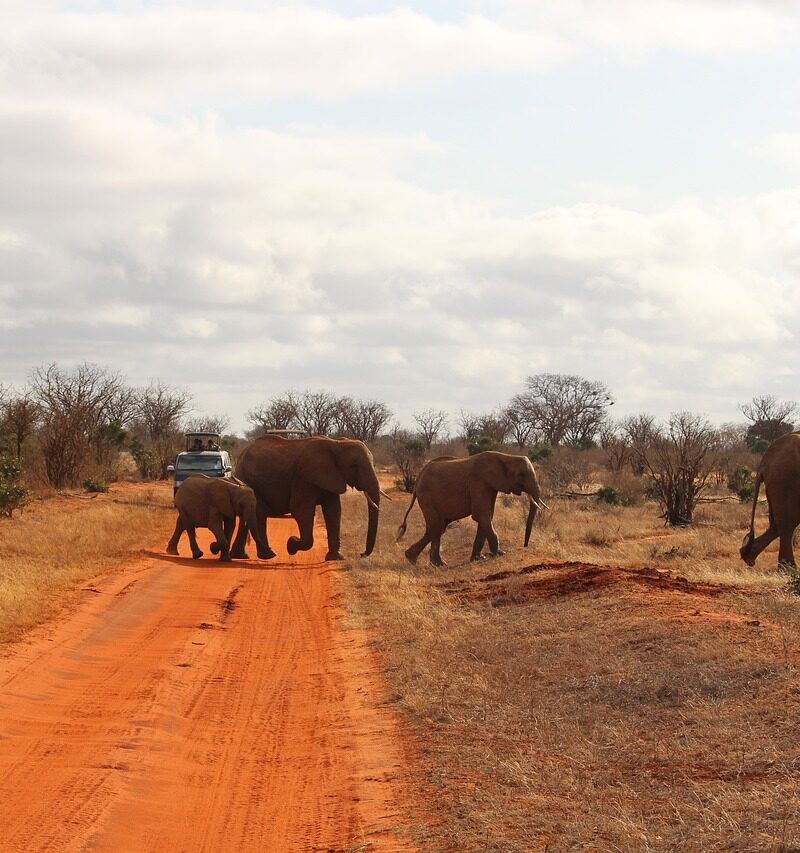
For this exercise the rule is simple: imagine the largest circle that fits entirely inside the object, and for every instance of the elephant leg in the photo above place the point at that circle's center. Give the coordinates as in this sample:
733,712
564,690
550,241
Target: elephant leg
759,544
172,545
228,526
483,512
786,552
238,547
413,551
477,545
220,546
436,557
196,552
332,513
304,516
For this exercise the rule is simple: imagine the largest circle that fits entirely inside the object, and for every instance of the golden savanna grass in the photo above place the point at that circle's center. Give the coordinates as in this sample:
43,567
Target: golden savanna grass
618,686
59,542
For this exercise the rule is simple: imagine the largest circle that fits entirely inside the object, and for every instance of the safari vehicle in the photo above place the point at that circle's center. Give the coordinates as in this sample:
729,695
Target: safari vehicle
202,456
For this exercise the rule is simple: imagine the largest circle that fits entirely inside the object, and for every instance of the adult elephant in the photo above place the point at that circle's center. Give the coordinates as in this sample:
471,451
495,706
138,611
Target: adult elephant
215,503
779,471
449,488
295,476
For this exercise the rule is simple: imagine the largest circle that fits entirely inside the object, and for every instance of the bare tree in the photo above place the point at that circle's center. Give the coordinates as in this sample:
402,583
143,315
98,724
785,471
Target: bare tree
363,419
74,405
521,425
316,411
680,457
616,445
431,423
217,423
470,425
769,418
279,412
160,410
639,432
19,418
408,452
565,409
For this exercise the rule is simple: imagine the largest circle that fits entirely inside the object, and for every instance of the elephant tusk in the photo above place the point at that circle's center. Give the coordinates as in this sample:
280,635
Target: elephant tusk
371,502
385,495
541,504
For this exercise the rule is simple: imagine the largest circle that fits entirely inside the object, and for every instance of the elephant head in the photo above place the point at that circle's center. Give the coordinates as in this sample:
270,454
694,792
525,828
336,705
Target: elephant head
513,474
335,464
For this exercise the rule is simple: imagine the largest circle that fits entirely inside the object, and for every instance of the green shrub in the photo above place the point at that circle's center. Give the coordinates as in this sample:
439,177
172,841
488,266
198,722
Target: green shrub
609,495
742,481
12,494
91,485
539,452
480,443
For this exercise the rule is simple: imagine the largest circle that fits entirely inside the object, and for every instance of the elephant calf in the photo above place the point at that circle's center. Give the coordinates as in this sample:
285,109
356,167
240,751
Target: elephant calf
215,503
448,489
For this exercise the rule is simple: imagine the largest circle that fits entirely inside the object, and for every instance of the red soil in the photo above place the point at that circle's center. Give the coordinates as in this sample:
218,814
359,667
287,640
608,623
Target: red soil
199,706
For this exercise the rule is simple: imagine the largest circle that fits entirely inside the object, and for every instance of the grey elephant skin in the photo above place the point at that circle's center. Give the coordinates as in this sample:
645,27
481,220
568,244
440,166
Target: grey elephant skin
292,477
215,503
450,488
779,471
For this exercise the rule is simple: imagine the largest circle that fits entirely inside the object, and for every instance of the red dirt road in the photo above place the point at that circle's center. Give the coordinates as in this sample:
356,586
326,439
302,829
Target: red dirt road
199,706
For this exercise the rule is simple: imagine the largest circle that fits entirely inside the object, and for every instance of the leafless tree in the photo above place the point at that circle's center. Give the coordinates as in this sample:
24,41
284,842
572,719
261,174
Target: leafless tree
160,410
431,423
408,452
680,457
73,406
639,432
521,425
19,417
217,423
279,412
316,411
469,422
564,409
616,445
363,419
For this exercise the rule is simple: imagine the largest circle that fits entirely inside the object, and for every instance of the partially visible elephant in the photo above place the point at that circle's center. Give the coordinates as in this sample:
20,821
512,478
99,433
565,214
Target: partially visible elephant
295,476
215,503
448,489
779,471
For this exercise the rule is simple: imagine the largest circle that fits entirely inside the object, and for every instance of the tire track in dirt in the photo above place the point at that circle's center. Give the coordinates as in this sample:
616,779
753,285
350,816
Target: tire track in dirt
199,706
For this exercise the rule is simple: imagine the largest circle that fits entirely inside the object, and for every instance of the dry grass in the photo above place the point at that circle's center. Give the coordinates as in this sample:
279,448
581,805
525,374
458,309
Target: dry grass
61,541
639,697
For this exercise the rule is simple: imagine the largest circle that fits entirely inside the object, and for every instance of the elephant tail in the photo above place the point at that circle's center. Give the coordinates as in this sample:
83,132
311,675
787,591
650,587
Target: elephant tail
401,531
751,535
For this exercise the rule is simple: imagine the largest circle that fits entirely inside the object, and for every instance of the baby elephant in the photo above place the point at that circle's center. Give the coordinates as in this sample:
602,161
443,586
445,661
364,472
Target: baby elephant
215,503
449,488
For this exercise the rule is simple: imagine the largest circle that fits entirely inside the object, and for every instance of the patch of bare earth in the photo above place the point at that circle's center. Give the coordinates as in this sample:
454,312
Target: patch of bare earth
617,686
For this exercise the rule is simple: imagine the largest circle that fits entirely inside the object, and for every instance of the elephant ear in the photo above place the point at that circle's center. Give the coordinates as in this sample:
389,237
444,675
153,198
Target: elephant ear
497,473
318,466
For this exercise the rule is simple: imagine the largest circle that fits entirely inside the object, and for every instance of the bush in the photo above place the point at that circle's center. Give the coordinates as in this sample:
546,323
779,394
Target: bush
480,443
539,452
742,481
609,495
91,485
12,494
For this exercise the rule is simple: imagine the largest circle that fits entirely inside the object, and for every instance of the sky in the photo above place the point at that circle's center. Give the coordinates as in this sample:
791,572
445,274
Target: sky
420,203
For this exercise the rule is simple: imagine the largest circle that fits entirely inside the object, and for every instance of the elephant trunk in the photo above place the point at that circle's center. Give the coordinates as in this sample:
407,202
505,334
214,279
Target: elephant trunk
532,509
373,492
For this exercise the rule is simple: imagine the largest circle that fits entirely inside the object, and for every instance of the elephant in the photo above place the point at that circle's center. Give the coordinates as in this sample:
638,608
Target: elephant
215,503
294,476
450,488
779,470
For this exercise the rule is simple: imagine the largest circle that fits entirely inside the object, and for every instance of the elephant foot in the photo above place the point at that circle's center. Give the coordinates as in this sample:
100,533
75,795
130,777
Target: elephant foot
225,558
498,553
196,555
438,563
240,555
477,558
269,554
333,555
172,550
292,545
215,548
411,556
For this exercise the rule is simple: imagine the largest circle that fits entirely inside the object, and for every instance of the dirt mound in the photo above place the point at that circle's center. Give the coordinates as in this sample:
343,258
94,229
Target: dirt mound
572,578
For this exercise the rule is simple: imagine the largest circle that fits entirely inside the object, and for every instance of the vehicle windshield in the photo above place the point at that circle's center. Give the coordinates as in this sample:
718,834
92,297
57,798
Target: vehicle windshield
196,462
